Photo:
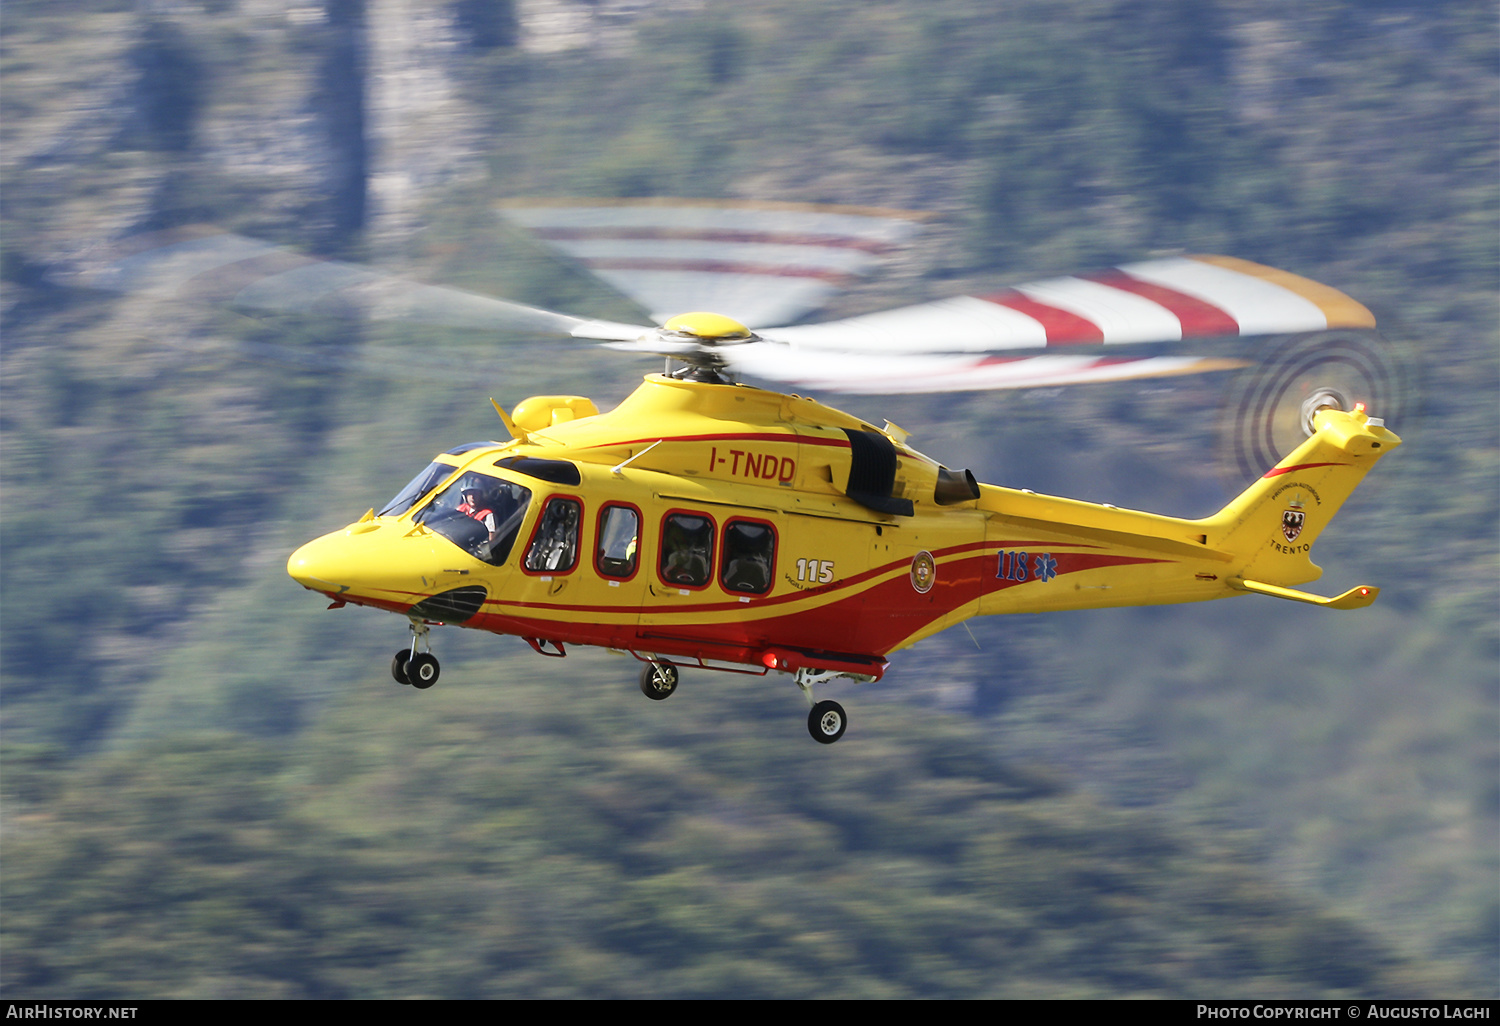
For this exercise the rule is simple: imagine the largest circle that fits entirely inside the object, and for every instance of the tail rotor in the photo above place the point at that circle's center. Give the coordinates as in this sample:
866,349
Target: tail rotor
1271,406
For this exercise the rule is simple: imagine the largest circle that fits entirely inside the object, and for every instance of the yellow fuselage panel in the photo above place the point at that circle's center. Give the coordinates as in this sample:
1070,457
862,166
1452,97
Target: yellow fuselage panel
734,434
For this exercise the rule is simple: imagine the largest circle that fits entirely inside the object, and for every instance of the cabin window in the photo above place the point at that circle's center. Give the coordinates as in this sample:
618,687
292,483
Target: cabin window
748,558
619,541
478,513
687,545
554,543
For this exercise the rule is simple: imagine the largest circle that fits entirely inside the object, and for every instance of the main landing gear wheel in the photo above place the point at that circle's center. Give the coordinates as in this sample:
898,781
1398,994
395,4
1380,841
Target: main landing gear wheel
422,670
827,722
658,681
398,666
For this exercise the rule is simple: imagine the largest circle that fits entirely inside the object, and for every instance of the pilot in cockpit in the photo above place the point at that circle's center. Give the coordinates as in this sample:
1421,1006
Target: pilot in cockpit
474,506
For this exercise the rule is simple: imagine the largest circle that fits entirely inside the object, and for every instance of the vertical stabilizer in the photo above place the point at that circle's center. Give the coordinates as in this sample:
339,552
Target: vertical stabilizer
1272,525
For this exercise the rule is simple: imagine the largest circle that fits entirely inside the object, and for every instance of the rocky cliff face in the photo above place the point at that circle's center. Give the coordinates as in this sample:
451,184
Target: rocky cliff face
320,125
327,118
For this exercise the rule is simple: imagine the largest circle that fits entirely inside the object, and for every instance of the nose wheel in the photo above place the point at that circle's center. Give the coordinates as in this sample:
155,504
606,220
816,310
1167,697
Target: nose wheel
418,669
658,681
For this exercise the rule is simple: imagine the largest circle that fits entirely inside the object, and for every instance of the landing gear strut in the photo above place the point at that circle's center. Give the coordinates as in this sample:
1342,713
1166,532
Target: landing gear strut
419,669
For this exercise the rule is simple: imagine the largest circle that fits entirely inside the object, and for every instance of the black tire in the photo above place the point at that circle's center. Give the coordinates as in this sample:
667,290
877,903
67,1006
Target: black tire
827,722
398,666
422,670
658,681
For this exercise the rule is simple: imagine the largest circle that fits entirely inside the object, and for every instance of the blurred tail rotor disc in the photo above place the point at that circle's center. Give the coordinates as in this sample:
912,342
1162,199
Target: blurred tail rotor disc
1272,405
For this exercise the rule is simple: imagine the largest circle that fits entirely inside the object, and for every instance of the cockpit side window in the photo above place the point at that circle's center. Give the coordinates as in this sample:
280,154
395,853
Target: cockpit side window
480,514
417,488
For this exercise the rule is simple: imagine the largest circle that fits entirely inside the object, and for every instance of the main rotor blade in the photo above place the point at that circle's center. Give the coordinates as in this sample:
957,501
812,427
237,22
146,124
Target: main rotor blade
759,263
206,265
1153,301
1071,327
1067,324
891,374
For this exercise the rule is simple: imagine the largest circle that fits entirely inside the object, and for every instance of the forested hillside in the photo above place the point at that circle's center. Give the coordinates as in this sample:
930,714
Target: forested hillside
211,786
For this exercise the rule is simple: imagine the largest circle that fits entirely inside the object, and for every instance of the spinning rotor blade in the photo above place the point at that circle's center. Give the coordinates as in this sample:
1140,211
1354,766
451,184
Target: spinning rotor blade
891,374
954,344
758,263
206,265
1153,301
768,262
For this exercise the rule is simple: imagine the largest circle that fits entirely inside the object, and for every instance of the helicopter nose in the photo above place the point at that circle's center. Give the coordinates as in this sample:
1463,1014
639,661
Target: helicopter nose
328,564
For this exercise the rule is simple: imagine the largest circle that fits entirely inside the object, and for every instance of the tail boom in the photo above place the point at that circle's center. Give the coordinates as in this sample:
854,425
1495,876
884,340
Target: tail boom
1053,554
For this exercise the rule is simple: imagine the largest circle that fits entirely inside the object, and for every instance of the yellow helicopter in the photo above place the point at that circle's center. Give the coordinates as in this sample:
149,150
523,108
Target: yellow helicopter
706,522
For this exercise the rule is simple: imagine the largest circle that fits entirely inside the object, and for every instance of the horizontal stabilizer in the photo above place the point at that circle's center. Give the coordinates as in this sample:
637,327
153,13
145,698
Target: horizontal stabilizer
1354,598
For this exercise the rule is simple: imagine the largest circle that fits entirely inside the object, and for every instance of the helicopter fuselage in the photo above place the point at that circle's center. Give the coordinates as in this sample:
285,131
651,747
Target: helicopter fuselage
730,527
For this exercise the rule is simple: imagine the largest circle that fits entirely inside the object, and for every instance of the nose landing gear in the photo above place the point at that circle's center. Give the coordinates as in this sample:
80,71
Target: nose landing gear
658,680
418,669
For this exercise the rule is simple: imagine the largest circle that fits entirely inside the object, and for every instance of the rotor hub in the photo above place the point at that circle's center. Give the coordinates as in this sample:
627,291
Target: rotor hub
709,327
1321,399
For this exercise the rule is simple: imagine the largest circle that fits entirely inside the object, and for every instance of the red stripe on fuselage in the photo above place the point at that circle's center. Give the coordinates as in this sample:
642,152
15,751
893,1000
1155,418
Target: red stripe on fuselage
760,603
871,620
786,437
1070,563
1278,471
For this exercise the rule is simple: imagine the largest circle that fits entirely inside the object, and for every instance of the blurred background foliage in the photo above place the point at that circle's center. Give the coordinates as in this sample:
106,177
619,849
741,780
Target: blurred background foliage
212,788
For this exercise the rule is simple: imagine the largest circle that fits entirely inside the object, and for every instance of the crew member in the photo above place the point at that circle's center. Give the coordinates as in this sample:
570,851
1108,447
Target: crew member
472,506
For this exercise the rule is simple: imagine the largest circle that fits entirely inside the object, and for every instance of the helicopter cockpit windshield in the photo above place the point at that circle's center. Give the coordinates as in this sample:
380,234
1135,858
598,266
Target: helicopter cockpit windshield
417,488
480,514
